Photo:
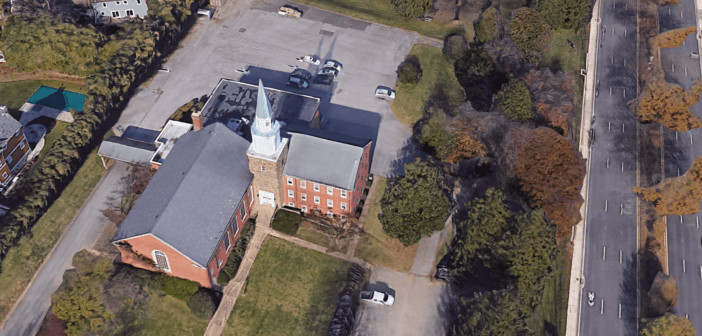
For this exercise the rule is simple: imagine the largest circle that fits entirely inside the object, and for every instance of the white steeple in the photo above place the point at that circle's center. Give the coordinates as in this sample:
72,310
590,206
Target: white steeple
265,132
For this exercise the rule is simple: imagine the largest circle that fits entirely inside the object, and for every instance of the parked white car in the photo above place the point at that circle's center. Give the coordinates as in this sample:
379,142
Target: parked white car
377,297
310,59
333,64
289,11
384,92
328,71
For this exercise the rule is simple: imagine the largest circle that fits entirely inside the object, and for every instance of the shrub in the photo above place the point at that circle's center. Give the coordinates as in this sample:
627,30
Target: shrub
476,73
455,47
411,9
231,267
564,14
286,222
183,113
514,100
435,137
178,288
673,38
487,25
409,73
529,33
203,304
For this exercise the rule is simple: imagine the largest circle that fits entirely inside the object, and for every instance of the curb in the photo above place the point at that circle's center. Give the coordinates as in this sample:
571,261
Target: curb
51,252
576,272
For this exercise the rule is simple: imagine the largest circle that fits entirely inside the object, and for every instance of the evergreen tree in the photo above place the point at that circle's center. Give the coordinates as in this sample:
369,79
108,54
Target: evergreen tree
514,100
564,14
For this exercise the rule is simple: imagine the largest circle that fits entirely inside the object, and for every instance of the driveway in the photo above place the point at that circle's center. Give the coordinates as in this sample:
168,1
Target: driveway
419,307
267,44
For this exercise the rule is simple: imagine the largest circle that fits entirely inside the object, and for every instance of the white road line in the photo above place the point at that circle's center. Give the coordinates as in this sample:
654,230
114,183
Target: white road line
680,218
624,36
625,58
620,257
621,208
622,128
676,135
690,138
607,163
609,125
624,95
620,310
669,12
610,90
622,166
683,265
605,205
611,61
602,307
604,252
673,67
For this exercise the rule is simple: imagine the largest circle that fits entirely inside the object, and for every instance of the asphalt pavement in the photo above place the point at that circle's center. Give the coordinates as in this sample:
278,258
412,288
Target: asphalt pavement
681,148
609,269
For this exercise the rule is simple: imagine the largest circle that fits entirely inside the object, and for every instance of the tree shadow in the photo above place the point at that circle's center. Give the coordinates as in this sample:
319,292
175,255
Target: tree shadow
628,297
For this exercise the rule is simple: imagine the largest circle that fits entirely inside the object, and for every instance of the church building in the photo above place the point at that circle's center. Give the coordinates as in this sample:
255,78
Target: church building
192,211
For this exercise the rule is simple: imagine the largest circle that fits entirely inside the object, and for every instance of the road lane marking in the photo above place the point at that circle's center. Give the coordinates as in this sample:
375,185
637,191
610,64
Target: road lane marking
621,208
620,256
609,125
624,36
676,135
602,307
622,166
620,310
624,93
681,219
611,61
604,252
683,265
610,90
606,204
669,12
673,67
622,128
698,221
690,138
607,167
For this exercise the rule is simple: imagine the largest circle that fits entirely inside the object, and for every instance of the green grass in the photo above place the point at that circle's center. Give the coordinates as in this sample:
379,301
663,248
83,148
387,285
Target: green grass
375,246
290,291
313,236
436,72
381,11
22,262
14,94
551,313
560,56
286,222
167,316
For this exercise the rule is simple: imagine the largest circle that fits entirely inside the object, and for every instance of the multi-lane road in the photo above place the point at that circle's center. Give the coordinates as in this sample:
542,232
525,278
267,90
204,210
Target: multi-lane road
684,233
610,266
609,270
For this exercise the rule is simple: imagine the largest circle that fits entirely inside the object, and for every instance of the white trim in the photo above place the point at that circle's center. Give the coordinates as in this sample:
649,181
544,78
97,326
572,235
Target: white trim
316,187
251,195
161,240
330,203
316,200
290,181
343,193
168,264
5,175
8,159
330,190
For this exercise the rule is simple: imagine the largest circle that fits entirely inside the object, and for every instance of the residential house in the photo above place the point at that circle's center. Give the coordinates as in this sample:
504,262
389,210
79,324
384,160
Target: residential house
115,12
14,148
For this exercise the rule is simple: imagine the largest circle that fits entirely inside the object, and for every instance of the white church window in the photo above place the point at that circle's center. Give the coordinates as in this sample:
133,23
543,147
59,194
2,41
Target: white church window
263,169
304,208
290,181
161,261
316,200
303,197
330,203
291,193
303,184
316,187
343,193
330,191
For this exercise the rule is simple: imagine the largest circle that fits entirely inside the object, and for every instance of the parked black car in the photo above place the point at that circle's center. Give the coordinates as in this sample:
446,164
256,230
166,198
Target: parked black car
324,79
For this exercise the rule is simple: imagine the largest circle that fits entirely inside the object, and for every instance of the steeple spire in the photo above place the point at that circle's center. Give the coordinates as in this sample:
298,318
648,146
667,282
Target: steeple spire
263,105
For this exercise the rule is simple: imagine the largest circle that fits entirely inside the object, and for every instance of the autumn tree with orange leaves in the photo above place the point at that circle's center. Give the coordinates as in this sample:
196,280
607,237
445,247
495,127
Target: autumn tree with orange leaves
551,171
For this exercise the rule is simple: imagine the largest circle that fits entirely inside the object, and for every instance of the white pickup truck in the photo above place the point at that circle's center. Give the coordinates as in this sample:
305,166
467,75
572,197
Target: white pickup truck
377,297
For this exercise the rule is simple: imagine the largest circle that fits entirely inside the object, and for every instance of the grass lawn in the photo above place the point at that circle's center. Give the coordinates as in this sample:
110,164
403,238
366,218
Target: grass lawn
167,316
286,222
313,236
22,262
375,246
551,314
290,291
560,56
14,94
436,72
381,12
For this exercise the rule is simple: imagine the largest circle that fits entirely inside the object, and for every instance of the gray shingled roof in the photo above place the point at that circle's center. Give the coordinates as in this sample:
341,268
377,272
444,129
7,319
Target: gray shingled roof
321,160
127,150
192,197
8,125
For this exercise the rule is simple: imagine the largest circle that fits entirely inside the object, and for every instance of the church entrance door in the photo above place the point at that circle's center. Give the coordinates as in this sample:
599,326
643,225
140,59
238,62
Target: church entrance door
266,197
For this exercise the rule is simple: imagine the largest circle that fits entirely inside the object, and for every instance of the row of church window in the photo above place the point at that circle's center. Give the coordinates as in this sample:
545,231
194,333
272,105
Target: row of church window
304,209
330,190
317,200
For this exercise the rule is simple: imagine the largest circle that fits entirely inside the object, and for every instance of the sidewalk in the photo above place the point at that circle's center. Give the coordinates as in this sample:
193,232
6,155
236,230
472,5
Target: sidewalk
576,270
27,314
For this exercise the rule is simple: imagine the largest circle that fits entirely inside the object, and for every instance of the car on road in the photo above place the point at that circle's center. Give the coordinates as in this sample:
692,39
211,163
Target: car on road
384,92
298,82
164,69
328,71
333,64
324,79
377,297
289,11
301,73
310,59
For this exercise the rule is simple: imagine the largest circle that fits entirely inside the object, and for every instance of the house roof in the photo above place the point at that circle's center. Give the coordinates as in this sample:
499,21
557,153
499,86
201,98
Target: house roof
232,99
167,138
127,150
140,8
8,125
322,160
194,194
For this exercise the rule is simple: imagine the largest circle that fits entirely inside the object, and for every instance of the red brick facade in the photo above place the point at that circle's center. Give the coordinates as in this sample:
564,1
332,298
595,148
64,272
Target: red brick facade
308,195
180,265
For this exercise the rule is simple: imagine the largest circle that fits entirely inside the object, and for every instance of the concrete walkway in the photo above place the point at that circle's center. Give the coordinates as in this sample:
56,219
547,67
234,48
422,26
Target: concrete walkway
263,230
26,316
576,270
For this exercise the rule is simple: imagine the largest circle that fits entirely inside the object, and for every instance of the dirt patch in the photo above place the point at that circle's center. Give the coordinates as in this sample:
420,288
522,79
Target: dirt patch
11,74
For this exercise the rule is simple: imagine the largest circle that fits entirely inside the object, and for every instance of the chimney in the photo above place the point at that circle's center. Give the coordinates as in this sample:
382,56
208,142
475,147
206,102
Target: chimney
197,120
